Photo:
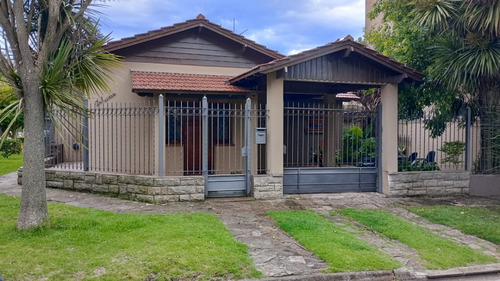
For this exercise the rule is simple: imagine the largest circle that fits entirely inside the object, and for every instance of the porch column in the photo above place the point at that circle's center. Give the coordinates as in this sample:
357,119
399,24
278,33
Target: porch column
275,124
389,99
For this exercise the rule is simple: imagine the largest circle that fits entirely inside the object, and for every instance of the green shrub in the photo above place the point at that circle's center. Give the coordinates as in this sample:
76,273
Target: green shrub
10,146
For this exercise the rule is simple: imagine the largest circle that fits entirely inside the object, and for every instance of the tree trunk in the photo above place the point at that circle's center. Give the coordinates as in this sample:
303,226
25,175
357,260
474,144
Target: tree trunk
33,210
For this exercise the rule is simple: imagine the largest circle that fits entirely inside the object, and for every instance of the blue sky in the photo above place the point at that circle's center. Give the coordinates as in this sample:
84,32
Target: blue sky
285,26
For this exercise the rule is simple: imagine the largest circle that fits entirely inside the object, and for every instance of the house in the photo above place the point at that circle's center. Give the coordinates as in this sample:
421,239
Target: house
237,118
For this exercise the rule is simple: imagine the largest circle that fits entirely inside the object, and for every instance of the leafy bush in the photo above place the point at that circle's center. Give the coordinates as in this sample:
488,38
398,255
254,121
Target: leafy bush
357,145
453,150
10,146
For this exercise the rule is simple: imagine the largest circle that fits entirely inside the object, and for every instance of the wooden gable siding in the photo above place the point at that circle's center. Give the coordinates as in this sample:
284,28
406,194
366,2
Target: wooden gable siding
332,68
195,47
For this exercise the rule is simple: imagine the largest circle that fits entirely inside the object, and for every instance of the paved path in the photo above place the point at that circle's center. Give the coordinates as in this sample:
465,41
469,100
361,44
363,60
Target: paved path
274,252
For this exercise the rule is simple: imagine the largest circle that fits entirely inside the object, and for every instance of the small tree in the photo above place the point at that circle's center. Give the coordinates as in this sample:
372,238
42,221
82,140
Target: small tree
453,150
51,56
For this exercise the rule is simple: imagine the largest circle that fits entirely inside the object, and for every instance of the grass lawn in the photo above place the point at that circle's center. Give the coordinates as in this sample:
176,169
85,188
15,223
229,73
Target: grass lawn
439,253
11,164
478,221
338,247
86,244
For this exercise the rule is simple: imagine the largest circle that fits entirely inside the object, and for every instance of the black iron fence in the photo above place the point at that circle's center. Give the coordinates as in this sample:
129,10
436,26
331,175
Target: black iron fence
142,139
470,141
316,136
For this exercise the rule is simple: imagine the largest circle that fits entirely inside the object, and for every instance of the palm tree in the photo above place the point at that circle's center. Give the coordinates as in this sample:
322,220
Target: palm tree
466,59
51,55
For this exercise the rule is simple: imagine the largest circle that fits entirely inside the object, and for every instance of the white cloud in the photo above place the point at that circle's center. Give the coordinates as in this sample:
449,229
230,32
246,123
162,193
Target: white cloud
337,14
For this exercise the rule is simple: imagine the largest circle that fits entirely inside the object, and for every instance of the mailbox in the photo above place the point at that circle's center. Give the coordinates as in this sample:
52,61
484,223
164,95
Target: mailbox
260,135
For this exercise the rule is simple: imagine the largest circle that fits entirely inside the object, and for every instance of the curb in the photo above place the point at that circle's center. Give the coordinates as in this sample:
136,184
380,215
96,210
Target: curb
464,271
381,275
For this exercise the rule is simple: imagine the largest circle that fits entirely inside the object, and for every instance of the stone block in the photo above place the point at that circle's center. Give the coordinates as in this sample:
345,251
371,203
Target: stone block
417,185
178,190
463,176
109,179
146,181
450,176
267,195
49,175
160,199
70,175
100,188
444,183
430,183
197,197
192,181
260,181
436,191
399,192
200,189
90,179
154,190
409,177
82,186
98,178
465,191
276,179
68,184
145,198
184,197
126,179
123,188
54,184
417,192
114,188
453,191
278,187
265,188
401,186
132,188
438,175
425,176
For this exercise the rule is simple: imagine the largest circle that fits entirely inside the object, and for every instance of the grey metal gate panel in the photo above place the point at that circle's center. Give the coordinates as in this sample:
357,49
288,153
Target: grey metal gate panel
329,180
226,185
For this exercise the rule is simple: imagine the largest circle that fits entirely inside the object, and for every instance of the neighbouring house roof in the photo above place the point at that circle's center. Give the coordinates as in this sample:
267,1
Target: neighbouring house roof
200,22
347,96
145,81
347,45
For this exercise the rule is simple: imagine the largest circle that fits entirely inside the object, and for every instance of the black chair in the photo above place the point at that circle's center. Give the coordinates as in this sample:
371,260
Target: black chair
431,156
413,157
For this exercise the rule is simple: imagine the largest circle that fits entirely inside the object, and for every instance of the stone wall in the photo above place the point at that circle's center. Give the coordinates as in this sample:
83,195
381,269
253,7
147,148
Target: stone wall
436,183
267,187
141,188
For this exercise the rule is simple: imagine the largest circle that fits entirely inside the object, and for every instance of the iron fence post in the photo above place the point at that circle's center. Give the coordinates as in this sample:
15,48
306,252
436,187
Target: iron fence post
378,138
204,140
467,140
161,141
248,145
85,136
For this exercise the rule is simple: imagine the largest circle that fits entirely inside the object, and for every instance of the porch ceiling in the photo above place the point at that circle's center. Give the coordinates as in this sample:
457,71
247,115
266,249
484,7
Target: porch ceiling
343,62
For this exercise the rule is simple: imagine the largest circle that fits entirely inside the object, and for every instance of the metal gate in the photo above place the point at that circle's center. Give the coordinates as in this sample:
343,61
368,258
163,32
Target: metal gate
329,150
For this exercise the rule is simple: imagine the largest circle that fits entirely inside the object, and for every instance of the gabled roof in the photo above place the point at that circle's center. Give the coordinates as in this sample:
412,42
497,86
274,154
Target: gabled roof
179,82
346,44
199,22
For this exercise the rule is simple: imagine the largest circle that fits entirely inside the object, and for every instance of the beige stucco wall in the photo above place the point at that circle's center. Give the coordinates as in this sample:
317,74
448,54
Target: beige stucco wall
389,100
275,105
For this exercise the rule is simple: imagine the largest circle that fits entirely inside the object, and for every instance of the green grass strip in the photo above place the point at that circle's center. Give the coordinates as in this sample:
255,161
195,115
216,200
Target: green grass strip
439,253
11,164
338,247
87,244
483,222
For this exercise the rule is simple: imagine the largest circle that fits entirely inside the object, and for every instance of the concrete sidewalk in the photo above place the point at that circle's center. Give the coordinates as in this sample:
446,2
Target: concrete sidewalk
279,256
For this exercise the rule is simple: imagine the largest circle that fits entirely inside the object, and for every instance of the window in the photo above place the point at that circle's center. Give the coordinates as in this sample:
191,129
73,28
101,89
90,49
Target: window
174,126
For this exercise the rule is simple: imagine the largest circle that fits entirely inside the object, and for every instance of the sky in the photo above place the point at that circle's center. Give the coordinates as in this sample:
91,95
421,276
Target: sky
287,26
